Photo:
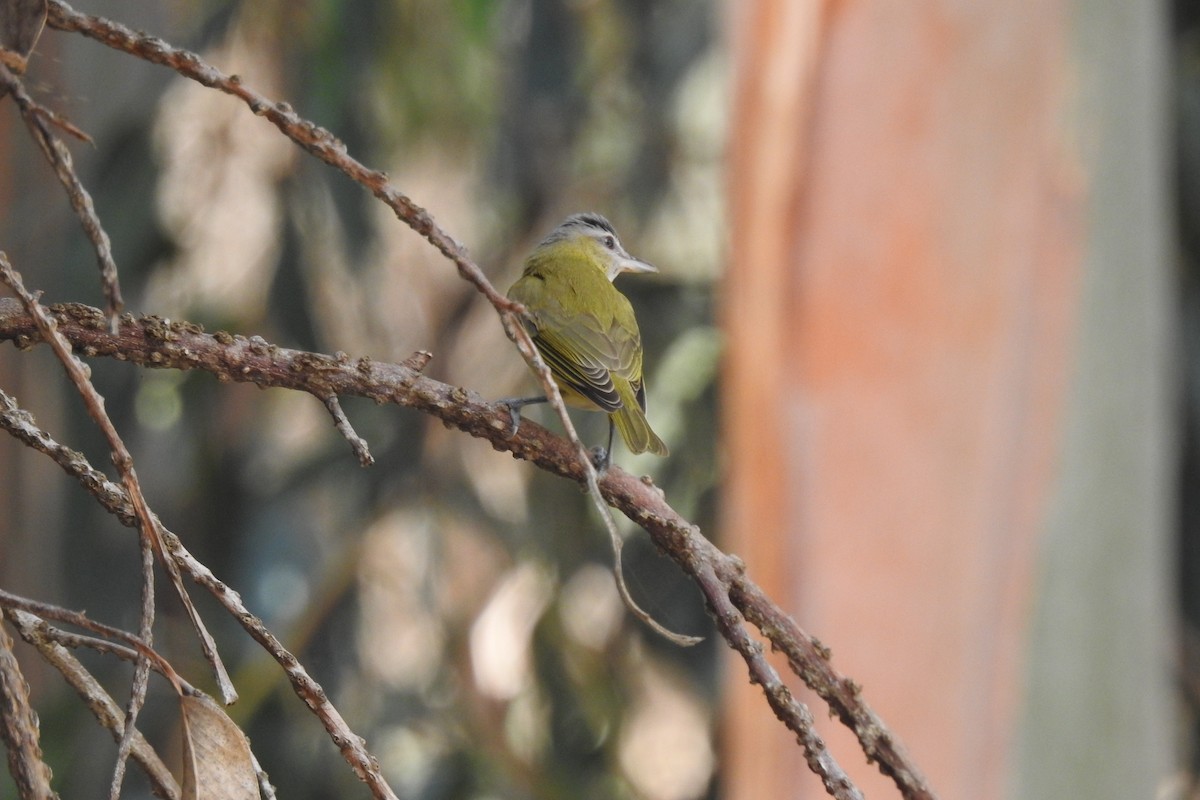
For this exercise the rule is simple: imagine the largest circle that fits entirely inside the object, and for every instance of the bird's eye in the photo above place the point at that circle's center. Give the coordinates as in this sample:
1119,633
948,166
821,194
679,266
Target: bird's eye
610,242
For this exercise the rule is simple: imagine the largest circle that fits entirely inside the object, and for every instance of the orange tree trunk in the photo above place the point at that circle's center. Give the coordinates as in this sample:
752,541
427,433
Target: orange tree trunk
909,232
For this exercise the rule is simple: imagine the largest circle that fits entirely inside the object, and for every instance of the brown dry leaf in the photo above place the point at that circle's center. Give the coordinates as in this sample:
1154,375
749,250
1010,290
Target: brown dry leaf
217,762
21,23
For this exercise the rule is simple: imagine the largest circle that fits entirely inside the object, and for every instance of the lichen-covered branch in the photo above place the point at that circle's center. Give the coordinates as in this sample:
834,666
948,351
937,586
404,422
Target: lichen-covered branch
156,342
19,728
48,641
787,709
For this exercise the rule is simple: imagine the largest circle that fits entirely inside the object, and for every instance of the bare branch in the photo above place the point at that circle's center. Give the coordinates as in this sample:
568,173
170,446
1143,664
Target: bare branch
808,659
113,498
36,118
143,649
148,524
49,642
155,342
19,728
790,711
344,427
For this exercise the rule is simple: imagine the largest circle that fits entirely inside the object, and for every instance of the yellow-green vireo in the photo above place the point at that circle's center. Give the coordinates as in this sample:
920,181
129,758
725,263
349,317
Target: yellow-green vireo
585,329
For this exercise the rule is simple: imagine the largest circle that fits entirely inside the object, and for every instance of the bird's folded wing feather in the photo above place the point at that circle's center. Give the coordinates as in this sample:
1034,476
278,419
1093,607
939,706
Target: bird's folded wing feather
585,357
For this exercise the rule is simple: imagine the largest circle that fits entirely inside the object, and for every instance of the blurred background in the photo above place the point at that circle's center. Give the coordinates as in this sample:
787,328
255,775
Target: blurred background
938,266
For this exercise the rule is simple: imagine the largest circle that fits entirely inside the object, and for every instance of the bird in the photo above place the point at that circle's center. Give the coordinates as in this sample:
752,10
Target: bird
585,329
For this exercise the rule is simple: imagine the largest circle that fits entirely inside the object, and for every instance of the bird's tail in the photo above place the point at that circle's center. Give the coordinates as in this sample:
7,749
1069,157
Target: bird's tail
635,429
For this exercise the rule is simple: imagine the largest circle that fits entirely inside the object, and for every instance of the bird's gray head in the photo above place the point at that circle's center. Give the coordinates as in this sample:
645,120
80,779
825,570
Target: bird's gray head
592,226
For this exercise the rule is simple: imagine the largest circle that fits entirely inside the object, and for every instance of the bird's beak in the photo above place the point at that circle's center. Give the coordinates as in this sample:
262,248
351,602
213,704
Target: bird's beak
631,264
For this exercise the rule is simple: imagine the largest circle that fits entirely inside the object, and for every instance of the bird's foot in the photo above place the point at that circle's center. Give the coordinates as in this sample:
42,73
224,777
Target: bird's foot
514,416
601,458
514,406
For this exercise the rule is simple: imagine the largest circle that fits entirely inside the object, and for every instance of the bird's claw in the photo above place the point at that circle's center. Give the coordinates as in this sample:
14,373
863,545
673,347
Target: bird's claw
601,458
514,406
514,416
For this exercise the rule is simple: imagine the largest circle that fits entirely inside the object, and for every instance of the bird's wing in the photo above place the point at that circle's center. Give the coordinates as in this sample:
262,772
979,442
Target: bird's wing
579,357
585,351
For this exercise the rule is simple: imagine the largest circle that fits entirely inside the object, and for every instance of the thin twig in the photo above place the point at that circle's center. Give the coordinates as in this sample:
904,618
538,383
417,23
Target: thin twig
312,137
21,23
52,643
81,376
21,424
148,524
525,345
65,615
141,671
357,443
266,790
80,641
36,117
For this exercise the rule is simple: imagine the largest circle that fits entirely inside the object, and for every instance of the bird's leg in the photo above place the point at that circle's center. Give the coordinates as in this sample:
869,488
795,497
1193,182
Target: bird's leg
514,406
